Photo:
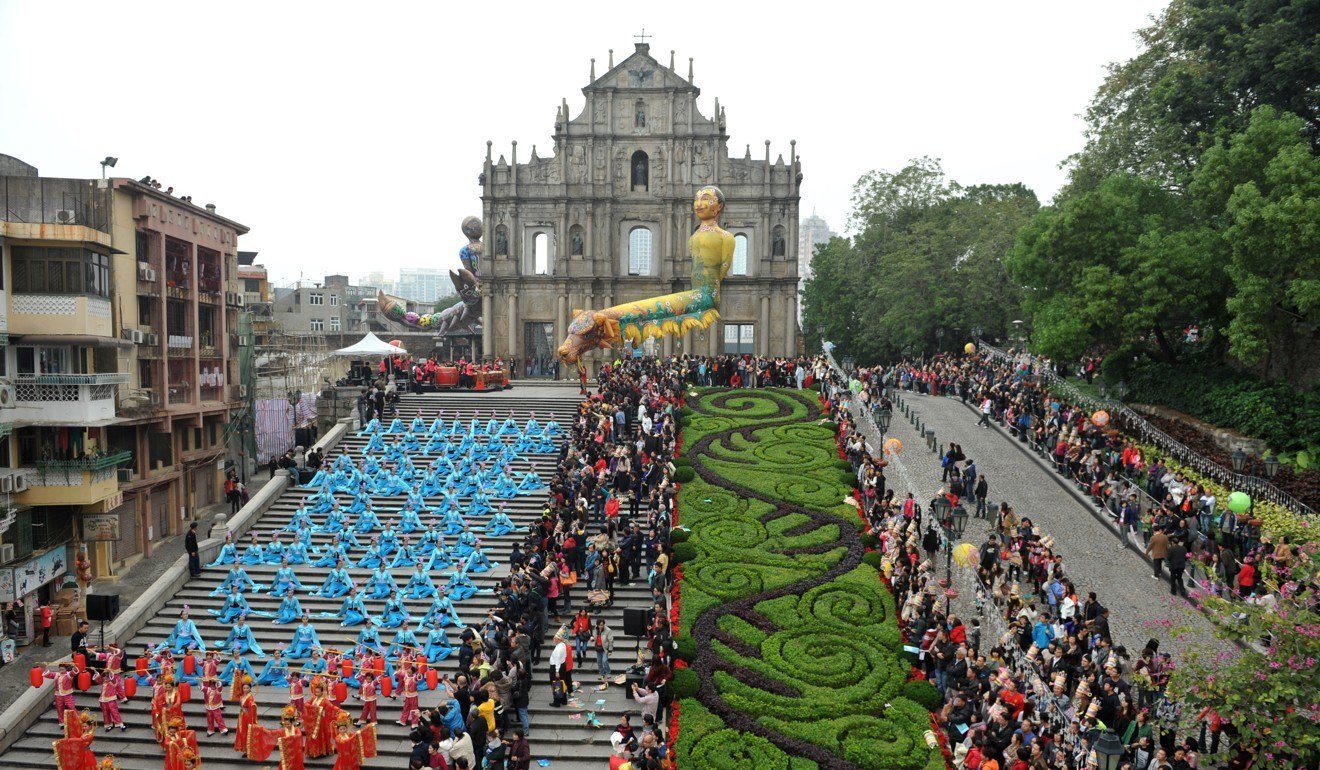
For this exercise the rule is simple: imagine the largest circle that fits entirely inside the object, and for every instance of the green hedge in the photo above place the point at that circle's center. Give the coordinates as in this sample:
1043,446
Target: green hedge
836,644
922,692
684,552
684,475
872,559
870,540
685,683
686,648
679,535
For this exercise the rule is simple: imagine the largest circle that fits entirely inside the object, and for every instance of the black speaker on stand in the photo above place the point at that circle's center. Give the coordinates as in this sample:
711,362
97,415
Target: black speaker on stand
102,607
634,625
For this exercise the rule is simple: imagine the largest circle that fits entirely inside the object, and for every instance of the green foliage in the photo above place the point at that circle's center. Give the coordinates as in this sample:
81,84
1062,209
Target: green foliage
679,535
872,559
928,255
682,462
684,475
685,683
923,693
843,465
1285,418
870,540
836,644
684,552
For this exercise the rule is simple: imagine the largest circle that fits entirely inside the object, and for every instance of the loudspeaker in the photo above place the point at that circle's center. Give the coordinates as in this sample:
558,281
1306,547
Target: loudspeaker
102,606
634,621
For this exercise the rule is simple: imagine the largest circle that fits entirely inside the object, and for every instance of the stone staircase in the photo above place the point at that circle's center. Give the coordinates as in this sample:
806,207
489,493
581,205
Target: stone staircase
556,734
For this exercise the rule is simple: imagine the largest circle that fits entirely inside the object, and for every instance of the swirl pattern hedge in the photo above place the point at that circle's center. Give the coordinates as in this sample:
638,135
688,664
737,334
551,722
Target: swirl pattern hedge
798,653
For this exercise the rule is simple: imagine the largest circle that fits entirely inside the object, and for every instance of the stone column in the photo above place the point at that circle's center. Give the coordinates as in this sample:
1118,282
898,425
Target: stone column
790,324
487,300
513,327
561,318
763,333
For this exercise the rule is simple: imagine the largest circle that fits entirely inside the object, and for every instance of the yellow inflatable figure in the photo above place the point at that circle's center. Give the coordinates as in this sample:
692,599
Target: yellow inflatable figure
711,248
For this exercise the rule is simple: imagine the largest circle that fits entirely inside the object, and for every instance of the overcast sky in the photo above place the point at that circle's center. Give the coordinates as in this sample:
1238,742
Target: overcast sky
349,137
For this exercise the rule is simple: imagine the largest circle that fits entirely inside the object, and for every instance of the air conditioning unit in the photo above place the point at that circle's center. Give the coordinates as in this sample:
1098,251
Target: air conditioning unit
134,335
153,397
125,475
242,391
66,217
234,298
244,340
6,484
153,339
20,483
147,274
6,553
7,394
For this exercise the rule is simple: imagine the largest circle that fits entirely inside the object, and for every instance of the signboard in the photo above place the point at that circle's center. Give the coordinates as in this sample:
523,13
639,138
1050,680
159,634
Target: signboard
107,505
40,570
101,527
6,584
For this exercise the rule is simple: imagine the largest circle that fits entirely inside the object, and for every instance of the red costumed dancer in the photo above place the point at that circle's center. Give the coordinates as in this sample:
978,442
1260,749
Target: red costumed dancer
319,721
353,747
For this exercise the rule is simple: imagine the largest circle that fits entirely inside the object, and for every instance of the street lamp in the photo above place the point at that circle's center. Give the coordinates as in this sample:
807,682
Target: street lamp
108,162
1239,459
1108,751
1271,466
882,422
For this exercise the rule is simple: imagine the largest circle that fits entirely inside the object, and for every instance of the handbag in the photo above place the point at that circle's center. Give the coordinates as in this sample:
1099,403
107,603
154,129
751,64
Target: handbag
568,580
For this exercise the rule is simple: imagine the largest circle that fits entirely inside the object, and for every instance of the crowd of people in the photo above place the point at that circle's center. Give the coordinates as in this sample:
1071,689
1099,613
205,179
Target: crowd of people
1038,687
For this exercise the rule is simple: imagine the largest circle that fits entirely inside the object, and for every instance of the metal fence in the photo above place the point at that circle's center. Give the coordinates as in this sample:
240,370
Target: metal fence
1137,426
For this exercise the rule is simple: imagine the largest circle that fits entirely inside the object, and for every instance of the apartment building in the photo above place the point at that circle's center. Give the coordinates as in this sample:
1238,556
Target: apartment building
118,311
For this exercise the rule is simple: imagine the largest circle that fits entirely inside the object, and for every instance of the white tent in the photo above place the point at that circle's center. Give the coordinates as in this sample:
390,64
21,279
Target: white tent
371,345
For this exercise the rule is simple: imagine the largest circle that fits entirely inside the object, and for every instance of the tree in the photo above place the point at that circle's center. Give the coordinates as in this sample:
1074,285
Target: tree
926,267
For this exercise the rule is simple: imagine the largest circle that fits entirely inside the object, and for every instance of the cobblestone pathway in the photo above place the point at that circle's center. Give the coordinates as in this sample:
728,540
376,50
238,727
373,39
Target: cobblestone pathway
1141,607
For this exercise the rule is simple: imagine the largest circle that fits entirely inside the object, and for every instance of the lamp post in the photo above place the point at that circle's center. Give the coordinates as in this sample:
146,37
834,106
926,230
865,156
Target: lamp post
109,162
1108,751
953,520
882,423
1240,463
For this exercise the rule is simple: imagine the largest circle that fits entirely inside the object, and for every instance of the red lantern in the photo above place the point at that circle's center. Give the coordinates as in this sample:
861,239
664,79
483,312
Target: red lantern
378,665
346,667
80,662
185,692
432,678
339,692
386,686
189,664
142,664
37,675
85,681
130,687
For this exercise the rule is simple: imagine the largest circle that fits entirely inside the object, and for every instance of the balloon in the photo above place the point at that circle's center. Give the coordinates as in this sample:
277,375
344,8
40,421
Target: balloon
893,447
1239,502
965,554
969,348
1100,419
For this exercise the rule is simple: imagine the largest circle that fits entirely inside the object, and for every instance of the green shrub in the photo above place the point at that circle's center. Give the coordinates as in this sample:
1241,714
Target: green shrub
870,539
848,479
684,475
684,552
685,683
687,648
683,462
872,559
923,693
679,535
844,465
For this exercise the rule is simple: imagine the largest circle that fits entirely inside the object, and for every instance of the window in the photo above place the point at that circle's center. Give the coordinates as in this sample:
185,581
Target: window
315,299
334,323
318,324
739,339
639,251
541,254
334,300
739,256
641,167
51,270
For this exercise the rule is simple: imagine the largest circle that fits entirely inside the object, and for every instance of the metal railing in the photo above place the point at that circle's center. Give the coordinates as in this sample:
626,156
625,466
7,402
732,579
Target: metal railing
100,378
87,463
1143,430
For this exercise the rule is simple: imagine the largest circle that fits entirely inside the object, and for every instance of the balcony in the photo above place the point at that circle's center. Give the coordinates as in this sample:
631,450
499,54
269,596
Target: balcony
180,345
66,399
97,463
60,485
213,393
63,314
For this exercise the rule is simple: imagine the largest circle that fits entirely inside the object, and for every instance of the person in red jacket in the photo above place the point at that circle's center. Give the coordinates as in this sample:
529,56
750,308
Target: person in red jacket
47,615
1246,578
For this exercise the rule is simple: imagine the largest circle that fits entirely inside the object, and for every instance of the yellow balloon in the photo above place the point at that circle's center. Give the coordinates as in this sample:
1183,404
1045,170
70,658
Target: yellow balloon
965,554
969,348
893,447
1100,419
